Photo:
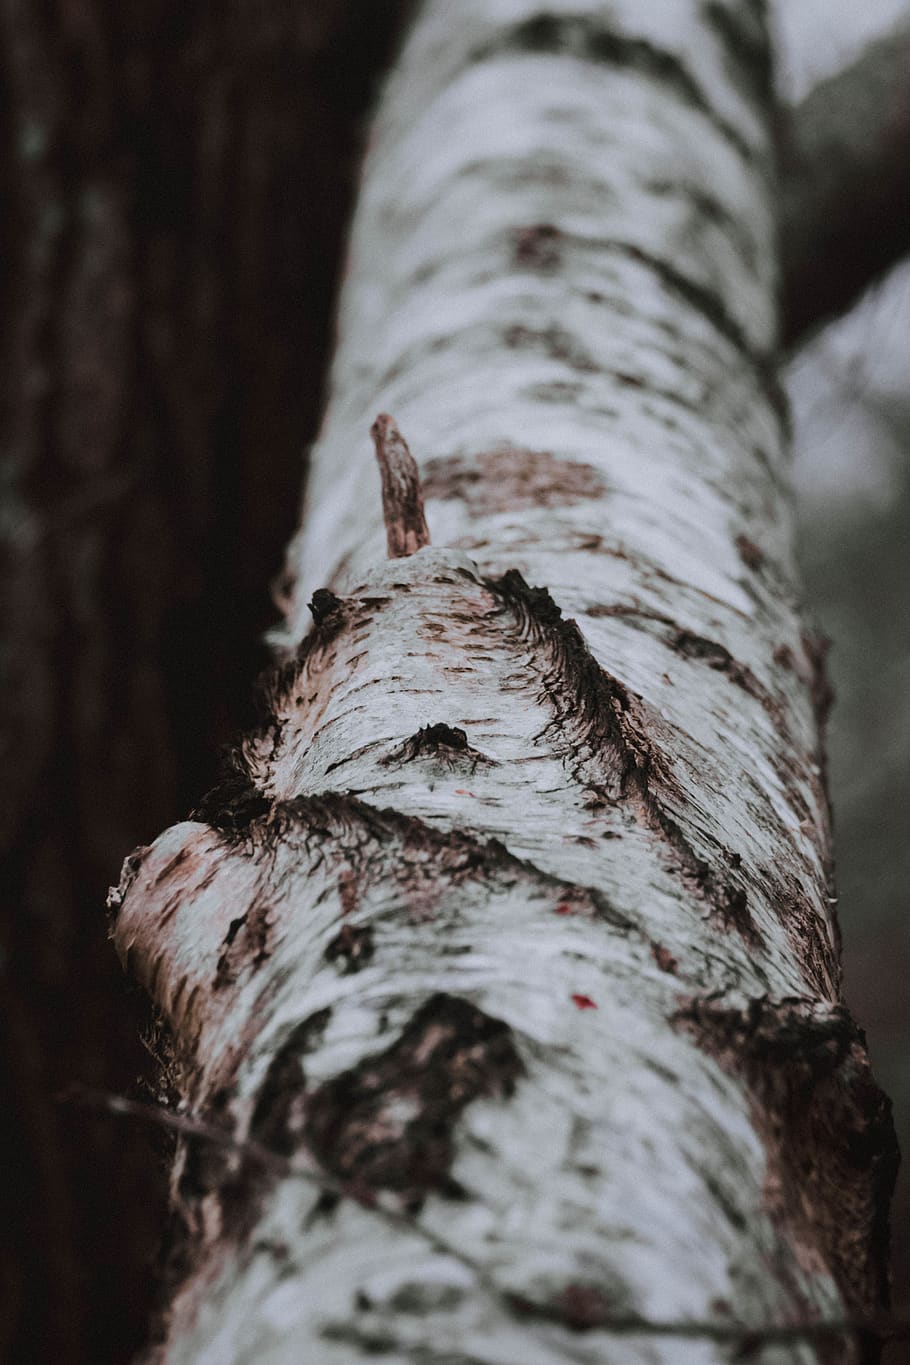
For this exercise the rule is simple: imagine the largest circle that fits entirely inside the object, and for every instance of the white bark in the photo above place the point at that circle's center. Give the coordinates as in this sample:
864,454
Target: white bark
520,932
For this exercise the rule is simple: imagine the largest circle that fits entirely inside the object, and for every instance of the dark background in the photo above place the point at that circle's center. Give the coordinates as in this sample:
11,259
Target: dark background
174,184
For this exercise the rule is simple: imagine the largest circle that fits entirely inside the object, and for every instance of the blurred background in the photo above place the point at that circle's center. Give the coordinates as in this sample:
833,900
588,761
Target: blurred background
850,391
175,181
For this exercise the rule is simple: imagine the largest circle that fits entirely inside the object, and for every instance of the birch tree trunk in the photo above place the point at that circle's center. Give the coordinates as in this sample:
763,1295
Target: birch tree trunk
504,965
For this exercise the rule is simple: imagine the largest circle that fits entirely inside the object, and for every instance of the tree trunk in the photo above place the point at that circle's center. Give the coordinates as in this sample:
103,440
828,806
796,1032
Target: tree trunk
503,968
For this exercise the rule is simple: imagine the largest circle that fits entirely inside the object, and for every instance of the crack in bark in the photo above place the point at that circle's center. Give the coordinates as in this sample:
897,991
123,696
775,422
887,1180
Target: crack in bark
717,657
409,848
610,727
589,39
553,342
445,745
744,38
539,246
247,944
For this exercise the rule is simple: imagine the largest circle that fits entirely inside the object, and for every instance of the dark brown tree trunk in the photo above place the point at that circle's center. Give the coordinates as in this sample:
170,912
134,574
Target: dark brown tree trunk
169,174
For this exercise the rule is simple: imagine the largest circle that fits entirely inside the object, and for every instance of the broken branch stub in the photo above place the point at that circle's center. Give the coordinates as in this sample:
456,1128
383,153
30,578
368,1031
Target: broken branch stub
402,498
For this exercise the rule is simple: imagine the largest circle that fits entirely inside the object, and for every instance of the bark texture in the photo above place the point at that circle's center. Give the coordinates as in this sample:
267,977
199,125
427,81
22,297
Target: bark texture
504,959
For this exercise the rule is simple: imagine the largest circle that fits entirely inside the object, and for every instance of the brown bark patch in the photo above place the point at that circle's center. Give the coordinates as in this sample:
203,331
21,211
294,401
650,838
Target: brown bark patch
584,1306
246,945
512,479
348,891
388,1123
829,1140
351,948
750,554
808,932
537,247
664,958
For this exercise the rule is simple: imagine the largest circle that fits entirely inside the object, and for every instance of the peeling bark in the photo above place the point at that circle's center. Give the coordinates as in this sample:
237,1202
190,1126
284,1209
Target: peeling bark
510,928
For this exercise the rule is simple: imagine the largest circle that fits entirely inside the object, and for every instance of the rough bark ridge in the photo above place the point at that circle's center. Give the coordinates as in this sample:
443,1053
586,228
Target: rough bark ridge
505,953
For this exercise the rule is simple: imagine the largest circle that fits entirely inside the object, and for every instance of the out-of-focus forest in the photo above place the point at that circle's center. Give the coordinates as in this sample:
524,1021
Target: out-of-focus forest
849,388
174,186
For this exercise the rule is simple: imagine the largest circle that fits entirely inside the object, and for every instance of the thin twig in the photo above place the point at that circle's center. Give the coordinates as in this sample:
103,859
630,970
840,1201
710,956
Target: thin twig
178,1123
402,497
883,1328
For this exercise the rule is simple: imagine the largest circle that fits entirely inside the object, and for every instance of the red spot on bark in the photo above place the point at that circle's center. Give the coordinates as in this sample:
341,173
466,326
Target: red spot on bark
459,791
584,1002
563,908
